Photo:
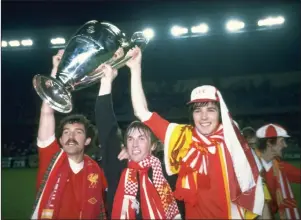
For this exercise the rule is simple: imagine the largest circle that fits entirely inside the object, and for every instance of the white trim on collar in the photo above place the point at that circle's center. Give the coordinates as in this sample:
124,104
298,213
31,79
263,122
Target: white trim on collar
267,165
76,167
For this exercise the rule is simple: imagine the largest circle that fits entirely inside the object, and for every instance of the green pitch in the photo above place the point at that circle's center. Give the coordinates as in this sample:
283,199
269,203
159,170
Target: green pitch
18,192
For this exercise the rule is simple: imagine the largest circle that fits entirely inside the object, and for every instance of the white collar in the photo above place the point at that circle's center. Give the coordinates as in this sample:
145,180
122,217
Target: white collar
75,167
267,165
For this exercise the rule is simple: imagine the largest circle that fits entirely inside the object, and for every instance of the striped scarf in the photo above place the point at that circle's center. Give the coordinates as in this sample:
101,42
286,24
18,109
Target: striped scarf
156,197
284,195
194,167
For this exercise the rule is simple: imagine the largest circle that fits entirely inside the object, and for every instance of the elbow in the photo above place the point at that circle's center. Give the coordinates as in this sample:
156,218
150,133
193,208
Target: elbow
137,114
143,115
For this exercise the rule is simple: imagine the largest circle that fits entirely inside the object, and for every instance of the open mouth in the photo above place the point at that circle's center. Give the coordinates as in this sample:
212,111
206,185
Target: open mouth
205,124
71,143
136,152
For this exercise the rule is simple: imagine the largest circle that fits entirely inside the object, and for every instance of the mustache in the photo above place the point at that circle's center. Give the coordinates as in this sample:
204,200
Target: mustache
71,141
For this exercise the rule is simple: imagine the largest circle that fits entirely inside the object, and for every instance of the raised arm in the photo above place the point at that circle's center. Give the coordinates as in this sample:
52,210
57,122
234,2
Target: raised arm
137,94
156,123
47,120
47,145
110,142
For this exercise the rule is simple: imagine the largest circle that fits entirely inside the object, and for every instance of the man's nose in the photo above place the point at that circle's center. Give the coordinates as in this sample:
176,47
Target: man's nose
285,145
135,144
204,115
71,134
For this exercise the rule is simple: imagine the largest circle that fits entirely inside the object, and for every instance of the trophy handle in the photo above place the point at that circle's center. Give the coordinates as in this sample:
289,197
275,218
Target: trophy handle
53,92
137,39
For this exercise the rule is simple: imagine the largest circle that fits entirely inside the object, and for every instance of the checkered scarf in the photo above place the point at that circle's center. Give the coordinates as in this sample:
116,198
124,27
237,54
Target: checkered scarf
156,197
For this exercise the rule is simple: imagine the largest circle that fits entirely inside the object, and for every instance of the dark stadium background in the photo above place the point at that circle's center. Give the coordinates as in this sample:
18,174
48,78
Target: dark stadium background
258,72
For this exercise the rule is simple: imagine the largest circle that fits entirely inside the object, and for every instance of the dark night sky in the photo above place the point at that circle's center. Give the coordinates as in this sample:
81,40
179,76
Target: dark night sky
218,55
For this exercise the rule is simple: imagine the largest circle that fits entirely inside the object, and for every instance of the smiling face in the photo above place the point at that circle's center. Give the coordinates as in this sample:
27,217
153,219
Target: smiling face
73,139
206,117
139,141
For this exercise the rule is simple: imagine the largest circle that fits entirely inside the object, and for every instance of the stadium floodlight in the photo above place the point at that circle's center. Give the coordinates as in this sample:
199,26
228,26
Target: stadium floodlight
234,25
14,43
270,21
201,28
58,40
3,43
148,33
27,42
178,31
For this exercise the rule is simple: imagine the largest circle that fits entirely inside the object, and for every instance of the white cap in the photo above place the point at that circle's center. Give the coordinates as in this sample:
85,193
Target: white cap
271,130
203,94
241,165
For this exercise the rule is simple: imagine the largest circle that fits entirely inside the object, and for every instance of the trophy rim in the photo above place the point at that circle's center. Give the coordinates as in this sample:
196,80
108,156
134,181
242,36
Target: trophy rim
63,109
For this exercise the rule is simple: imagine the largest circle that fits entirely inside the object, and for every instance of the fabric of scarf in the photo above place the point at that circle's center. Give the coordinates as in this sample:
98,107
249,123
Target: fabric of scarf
192,170
156,197
49,195
194,165
285,198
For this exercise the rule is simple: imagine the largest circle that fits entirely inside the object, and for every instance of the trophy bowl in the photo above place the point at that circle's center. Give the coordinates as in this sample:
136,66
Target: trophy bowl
93,44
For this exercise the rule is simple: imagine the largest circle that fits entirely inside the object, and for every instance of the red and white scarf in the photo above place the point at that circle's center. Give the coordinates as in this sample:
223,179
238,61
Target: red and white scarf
196,159
156,197
50,193
284,195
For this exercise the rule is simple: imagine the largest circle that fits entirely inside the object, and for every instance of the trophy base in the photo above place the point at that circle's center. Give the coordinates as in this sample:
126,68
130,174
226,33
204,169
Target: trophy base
53,92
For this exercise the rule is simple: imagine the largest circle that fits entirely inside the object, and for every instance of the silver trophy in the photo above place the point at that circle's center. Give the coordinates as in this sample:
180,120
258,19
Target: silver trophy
93,44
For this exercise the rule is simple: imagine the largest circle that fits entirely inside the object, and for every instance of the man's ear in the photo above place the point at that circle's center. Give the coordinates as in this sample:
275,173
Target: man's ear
88,141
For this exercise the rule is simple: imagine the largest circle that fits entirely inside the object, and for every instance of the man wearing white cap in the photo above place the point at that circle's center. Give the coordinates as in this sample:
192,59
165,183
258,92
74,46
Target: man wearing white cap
278,174
217,176
250,136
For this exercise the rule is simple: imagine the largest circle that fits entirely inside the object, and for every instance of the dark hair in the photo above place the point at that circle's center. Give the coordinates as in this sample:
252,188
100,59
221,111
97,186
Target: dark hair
263,143
195,105
248,132
144,129
120,135
90,129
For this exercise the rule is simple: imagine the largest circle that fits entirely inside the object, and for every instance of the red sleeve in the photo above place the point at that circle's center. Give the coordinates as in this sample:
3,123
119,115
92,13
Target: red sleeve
271,183
293,173
45,156
158,125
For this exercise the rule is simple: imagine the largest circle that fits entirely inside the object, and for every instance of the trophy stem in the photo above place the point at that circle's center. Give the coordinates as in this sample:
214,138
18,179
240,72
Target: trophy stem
121,63
53,92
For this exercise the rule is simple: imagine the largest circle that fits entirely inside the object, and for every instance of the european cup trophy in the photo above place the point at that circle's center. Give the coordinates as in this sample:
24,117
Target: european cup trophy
93,44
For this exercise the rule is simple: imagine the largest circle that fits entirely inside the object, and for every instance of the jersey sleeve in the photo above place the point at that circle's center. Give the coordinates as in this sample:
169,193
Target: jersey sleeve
176,139
46,153
293,173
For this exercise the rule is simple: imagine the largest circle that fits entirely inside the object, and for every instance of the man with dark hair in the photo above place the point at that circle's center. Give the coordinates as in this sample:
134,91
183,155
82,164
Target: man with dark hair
249,135
217,175
71,184
279,174
137,188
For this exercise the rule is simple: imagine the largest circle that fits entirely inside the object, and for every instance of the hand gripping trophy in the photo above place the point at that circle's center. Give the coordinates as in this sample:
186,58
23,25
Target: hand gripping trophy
93,44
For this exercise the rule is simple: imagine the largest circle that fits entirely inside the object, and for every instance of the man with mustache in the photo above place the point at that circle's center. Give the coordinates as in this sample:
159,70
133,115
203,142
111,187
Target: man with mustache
137,189
70,184
217,175
278,174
